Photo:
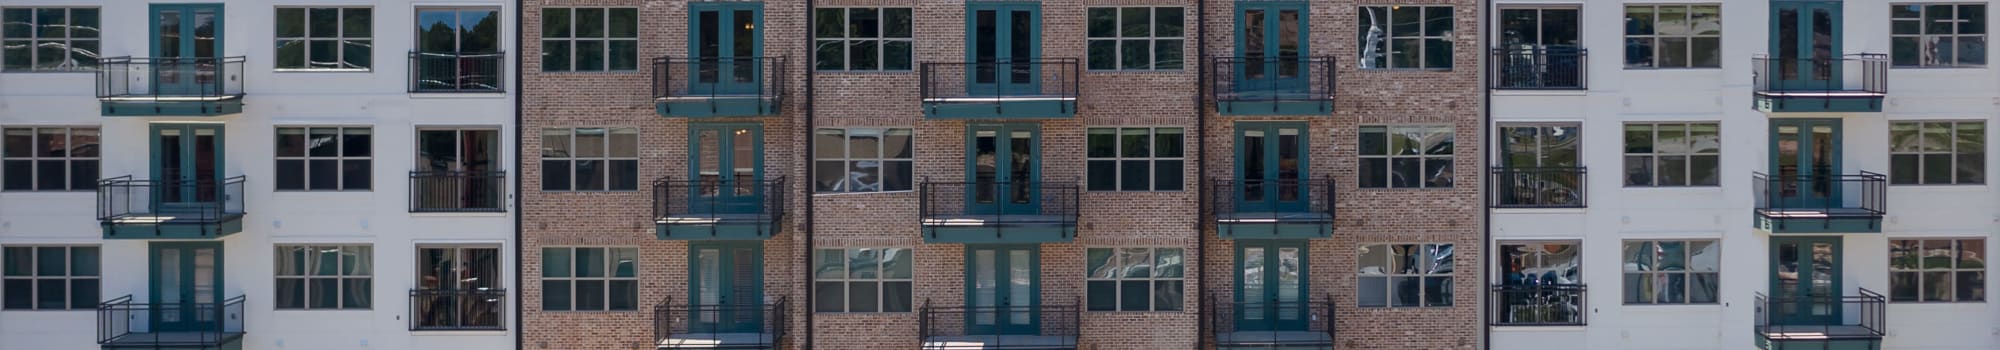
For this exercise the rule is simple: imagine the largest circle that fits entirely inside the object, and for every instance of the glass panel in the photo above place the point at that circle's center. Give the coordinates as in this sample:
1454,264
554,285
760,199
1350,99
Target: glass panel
1253,282
1019,287
985,286
1289,280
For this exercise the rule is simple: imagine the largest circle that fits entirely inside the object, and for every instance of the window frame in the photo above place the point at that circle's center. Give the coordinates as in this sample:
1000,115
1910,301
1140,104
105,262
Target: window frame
847,159
1389,157
882,39
1541,149
1152,158
609,157
1390,275
1118,39
1540,258
881,280
607,253
1923,33
339,158
35,160
458,152
1653,157
35,279
340,37
1152,281
1389,37
460,254
458,19
1954,153
68,40
1654,62
608,39
1627,271
1951,272
340,276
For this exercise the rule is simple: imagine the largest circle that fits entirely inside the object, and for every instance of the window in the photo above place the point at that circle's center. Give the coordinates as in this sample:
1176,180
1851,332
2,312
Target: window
862,160
1937,153
1672,272
49,278
1135,38
862,280
1937,270
324,38
1135,159
590,159
862,39
458,30
458,150
458,170
1937,35
1134,279
588,39
324,158
1540,145
590,279
1406,156
1539,27
1406,37
1541,263
325,276
48,39
1405,275
1672,154
458,287
49,159
1673,36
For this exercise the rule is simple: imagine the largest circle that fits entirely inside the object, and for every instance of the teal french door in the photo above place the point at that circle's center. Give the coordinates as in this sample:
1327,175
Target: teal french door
726,285
1271,167
1805,162
1805,280
1271,285
1002,164
1003,289
186,282
1805,45
1271,38
725,40
1003,40
186,162
728,160
186,47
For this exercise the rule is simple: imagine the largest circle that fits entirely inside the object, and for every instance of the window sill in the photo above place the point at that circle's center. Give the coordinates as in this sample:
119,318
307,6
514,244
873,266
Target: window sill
326,70
1540,210
457,95
499,214
864,72
588,72
1540,328
1532,92
843,194
1404,70
458,333
1137,71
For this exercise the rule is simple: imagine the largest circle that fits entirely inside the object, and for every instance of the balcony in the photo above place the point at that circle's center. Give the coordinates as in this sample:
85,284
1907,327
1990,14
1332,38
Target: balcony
712,210
998,212
168,86
458,309
1271,85
1815,204
457,72
458,192
1282,209
1047,327
1538,305
1795,323
1851,83
1552,187
126,324
719,87
1271,325
1043,88
1540,68
733,326
169,209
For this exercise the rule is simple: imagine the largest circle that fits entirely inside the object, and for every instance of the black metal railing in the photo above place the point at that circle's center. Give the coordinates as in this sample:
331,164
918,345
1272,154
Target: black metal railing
1540,68
458,309
1864,312
710,201
1539,305
937,325
1826,79
1270,324
999,204
124,200
457,71
1541,187
170,78
997,81
1272,202
1827,196
457,191
719,77
705,326
1271,79
126,323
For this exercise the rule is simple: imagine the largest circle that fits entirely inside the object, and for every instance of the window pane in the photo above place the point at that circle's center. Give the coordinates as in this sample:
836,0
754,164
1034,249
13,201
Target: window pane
83,293
1937,286
291,293
1103,175
1167,295
1903,286
556,262
589,262
51,261
1103,295
83,261
863,263
829,297
862,297
624,262
590,295
555,295
896,263
357,293
1135,295
624,295
896,296
325,293
19,292
1167,263
1134,176
1373,292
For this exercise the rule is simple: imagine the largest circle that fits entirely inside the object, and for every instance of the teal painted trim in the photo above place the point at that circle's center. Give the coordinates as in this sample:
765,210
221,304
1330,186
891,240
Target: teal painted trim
1270,271
718,107
1001,276
724,78
1272,159
1805,251
1818,344
186,264
1302,108
1040,109
716,232
1003,203
170,109
1804,44
187,26
726,276
1003,17
1272,31
1805,158
1320,230
999,234
1276,347
730,203
1779,104
178,230
1780,226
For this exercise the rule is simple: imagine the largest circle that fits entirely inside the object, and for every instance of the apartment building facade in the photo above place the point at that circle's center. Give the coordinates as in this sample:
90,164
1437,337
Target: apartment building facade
256,174
1701,175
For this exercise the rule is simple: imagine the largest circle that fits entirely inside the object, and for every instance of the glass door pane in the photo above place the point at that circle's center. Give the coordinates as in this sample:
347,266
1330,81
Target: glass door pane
1002,296
1805,281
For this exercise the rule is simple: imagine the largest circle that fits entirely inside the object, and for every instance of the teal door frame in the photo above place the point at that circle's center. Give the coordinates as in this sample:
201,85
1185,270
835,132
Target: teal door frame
729,309
187,313
1805,41
1003,317
171,77
1819,170
1001,194
988,73
724,69
1803,305
1268,77
726,200
1266,194
186,186
1265,311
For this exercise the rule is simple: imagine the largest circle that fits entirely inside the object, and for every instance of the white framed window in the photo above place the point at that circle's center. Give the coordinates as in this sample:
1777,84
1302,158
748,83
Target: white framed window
324,38
1406,156
1134,159
325,158
49,39
1406,37
863,39
1134,279
863,280
589,39
1135,38
49,158
1937,35
1937,152
1673,36
1672,271
49,277
1405,275
590,159
590,279
863,160
1673,154
1937,270
325,277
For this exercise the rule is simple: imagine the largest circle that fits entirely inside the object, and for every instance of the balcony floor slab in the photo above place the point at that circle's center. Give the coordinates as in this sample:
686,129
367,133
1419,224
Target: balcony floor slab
719,341
994,342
